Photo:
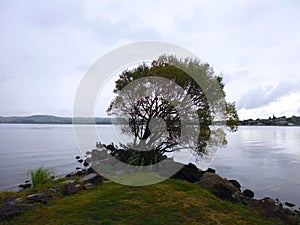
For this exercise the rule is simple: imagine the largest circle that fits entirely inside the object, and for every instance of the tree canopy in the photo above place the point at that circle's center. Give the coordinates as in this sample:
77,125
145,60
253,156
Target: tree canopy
168,105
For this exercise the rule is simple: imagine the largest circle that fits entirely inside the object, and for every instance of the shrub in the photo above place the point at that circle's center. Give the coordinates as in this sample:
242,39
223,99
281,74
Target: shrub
41,177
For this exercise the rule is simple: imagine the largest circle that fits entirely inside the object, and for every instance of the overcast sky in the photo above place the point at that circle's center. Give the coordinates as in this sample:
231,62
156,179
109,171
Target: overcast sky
47,46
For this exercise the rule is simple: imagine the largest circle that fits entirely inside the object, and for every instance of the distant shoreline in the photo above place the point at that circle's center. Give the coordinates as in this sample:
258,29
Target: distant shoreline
49,119
57,123
272,121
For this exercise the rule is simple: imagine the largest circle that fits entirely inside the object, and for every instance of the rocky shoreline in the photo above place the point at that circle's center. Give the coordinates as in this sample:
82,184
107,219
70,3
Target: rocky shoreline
230,190
85,179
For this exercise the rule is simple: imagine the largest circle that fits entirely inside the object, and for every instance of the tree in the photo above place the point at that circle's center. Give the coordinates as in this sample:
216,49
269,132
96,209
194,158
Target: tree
156,103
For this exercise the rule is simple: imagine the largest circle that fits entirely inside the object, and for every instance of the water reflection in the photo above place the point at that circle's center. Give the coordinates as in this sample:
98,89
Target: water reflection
266,159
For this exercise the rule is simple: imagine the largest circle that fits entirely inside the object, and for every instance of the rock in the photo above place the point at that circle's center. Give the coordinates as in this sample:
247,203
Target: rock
9,198
85,163
272,209
97,155
80,172
91,178
41,197
77,173
90,170
222,188
248,193
57,187
68,181
268,207
88,186
78,186
53,190
189,172
278,203
77,157
288,204
19,200
236,184
210,170
73,174
12,209
25,186
53,196
192,166
88,152
69,189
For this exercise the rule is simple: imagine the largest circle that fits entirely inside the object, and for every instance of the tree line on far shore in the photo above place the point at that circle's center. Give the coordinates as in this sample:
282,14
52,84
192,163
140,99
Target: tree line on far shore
48,119
273,121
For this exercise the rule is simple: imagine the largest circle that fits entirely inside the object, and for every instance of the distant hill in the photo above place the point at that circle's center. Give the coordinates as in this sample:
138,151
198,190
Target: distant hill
48,119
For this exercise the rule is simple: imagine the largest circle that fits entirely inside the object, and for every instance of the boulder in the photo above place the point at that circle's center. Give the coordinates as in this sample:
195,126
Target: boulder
189,172
90,170
268,207
236,184
72,174
222,188
210,170
98,155
41,197
248,193
69,189
25,186
9,210
80,172
91,178
288,204
85,163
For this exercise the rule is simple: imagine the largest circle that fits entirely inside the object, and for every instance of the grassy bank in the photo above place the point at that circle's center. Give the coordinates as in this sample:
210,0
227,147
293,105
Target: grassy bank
169,202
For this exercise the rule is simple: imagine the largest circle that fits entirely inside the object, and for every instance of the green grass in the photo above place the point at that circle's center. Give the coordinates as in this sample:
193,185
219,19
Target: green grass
41,177
168,202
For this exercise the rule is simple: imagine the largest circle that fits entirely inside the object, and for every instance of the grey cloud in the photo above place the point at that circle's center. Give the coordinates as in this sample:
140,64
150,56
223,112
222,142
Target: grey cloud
4,77
48,43
261,96
55,13
108,32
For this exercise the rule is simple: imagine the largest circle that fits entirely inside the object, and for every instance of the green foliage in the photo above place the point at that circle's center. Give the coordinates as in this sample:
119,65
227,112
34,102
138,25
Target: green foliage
142,158
41,177
206,96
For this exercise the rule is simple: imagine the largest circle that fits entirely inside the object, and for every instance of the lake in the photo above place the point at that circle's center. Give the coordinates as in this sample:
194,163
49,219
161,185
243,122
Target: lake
263,159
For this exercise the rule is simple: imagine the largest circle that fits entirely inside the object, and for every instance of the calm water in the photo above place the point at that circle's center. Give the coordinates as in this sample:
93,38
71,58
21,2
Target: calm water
264,159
